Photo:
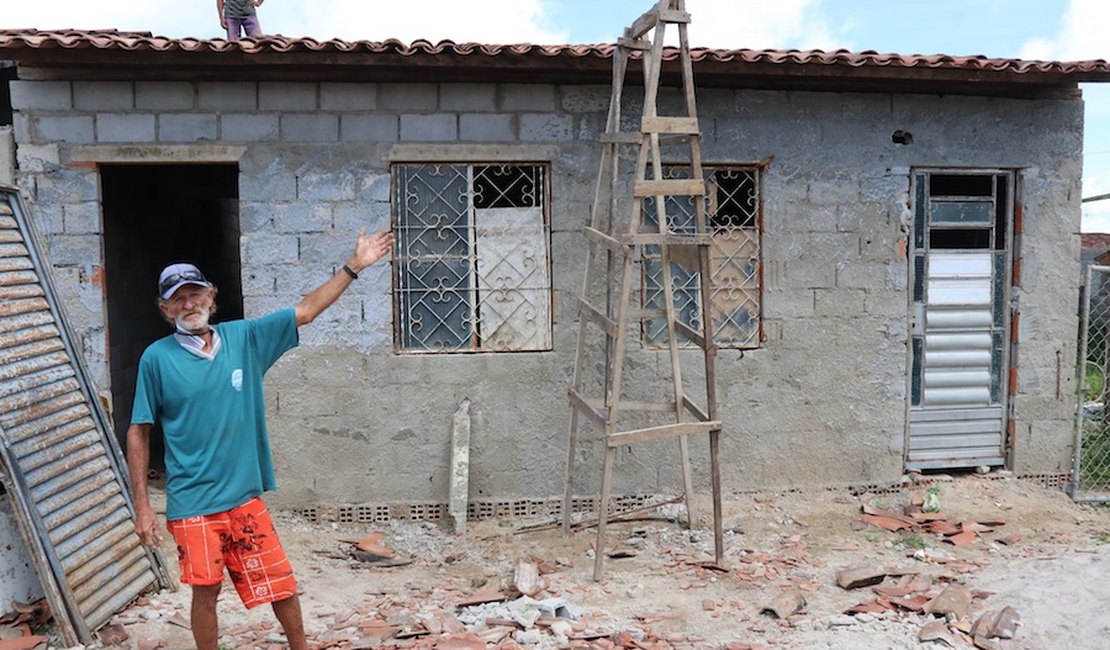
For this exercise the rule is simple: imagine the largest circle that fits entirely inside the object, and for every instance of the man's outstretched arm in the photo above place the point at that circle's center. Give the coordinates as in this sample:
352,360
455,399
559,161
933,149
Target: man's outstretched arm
368,250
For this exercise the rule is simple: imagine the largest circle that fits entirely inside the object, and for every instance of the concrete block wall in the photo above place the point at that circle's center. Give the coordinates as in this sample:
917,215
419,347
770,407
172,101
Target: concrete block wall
821,403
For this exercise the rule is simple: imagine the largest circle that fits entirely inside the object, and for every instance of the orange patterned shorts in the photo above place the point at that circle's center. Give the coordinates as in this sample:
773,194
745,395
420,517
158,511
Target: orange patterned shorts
243,541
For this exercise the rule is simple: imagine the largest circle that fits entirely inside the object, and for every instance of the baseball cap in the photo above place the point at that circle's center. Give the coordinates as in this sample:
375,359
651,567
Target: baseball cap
177,275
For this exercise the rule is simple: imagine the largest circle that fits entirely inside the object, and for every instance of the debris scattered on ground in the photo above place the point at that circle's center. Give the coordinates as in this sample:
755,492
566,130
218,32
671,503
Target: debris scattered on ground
796,574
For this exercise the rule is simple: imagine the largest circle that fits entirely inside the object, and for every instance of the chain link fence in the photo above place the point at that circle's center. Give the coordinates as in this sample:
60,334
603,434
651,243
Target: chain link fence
1091,473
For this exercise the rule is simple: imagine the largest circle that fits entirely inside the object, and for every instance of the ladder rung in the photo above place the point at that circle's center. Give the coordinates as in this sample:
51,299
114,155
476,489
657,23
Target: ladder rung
597,316
582,404
657,407
690,333
670,125
613,244
664,431
659,238
670,187
647,314
646,22
674,16
621,138
634,43
630,405
673,139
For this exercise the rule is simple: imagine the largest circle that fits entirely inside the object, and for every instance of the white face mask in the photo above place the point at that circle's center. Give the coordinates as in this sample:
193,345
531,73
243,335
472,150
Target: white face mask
195,321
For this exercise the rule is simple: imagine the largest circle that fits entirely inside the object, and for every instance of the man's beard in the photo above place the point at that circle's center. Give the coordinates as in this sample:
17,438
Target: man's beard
195,321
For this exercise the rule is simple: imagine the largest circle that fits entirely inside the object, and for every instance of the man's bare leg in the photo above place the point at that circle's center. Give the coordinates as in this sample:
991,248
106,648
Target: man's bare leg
288,613
206,627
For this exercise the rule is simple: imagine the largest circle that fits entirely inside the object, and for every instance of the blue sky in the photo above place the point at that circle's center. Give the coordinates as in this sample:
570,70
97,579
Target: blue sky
1032,29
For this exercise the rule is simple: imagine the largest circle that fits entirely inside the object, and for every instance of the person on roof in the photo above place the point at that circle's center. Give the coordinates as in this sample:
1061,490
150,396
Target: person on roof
238,17
204,384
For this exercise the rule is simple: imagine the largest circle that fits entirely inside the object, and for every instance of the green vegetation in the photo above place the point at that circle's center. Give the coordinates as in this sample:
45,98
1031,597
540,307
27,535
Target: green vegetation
1095,455
1096,382
914,541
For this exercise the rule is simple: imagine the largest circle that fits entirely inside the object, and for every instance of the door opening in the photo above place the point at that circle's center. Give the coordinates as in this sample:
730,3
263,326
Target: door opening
960,320
155,215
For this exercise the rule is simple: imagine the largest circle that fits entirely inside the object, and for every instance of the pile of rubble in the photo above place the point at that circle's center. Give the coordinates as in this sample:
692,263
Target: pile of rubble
19,629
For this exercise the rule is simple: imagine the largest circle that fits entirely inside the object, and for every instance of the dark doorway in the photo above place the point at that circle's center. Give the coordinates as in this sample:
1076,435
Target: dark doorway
155,215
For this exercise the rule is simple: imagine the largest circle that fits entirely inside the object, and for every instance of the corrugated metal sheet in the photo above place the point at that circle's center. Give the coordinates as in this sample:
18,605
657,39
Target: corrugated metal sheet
60,458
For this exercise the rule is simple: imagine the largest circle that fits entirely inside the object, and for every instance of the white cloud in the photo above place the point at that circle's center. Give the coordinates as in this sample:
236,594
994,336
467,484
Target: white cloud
489,21
1082,34
168,18
779,24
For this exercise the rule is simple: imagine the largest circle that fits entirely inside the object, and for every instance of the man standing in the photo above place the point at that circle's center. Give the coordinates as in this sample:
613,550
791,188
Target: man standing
204,383
238,18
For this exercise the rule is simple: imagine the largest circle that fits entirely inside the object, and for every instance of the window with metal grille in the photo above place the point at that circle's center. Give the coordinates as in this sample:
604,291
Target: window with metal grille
472,270
734,216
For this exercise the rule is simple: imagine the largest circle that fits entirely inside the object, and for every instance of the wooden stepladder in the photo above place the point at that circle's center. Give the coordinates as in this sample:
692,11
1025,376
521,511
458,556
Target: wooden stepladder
623,242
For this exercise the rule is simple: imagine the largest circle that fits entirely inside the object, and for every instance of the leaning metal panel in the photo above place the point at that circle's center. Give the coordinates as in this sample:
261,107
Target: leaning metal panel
57,452
1091,470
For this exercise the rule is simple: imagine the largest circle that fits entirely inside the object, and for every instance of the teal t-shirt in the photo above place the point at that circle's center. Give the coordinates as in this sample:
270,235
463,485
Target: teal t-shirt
213,413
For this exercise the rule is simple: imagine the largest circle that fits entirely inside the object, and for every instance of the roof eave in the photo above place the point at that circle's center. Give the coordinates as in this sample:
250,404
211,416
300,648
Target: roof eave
533,67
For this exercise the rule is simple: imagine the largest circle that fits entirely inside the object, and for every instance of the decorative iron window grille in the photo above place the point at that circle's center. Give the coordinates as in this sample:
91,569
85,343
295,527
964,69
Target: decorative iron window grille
472,270
733,212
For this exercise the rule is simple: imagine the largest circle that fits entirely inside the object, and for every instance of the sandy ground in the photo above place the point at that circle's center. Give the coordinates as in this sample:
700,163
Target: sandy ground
1055,573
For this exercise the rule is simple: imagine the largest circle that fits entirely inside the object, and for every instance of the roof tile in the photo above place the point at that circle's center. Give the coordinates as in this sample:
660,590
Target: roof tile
111,39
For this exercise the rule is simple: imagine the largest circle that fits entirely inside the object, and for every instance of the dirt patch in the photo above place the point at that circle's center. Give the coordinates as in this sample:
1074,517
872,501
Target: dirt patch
1055,572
